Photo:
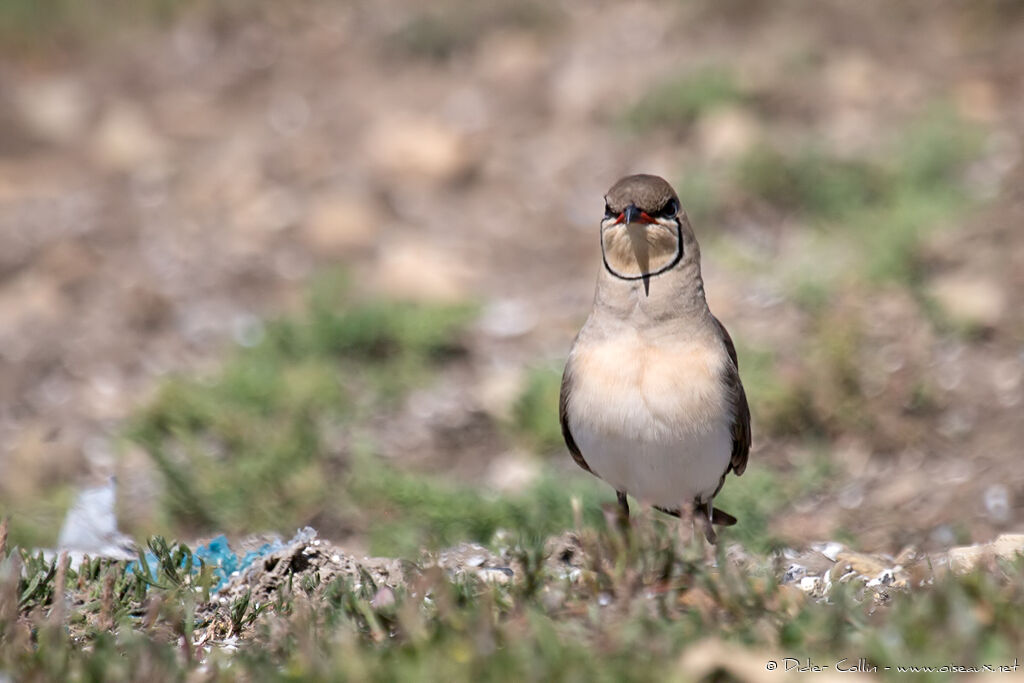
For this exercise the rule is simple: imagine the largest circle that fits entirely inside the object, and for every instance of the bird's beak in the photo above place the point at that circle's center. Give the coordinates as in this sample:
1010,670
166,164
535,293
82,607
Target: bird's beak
630,214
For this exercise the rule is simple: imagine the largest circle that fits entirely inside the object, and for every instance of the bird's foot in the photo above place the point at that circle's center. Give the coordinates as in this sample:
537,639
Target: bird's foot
708,515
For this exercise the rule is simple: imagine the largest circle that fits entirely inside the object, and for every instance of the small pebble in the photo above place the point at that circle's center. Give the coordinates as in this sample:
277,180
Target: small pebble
997,502
385,597
830,550
498,575
885,578
809,583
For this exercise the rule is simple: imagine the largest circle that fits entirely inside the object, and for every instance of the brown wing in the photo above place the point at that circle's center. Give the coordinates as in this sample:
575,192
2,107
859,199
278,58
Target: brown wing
563,417
741,423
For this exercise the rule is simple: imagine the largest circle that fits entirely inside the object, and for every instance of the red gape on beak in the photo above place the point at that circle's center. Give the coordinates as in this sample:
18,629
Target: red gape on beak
633,215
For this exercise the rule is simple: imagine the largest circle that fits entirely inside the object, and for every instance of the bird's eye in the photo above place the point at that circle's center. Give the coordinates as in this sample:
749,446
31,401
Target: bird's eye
608,213
670,209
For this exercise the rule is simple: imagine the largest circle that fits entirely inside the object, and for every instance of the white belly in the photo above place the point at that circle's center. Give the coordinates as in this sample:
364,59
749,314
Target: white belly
669,474
653,420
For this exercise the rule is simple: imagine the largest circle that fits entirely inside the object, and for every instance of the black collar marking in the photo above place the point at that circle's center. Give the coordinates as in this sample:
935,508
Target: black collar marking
643,276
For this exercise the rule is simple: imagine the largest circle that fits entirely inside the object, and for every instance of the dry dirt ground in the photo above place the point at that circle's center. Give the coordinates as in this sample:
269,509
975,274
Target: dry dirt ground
160,195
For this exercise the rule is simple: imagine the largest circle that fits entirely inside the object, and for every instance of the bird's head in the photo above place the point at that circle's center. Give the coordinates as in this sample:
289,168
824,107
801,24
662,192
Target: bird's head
641,232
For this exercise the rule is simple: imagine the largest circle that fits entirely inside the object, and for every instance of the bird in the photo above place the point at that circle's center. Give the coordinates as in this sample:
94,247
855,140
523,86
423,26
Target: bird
651,400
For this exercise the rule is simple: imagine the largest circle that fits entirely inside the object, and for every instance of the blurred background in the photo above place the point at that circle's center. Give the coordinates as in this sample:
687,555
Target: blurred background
276,264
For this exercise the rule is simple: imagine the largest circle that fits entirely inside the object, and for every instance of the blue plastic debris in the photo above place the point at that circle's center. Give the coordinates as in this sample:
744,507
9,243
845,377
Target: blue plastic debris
218,555
224,561
90,528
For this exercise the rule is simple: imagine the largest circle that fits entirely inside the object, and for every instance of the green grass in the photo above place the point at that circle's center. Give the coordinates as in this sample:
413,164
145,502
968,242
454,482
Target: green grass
60,26
762,492
448,28
811,182
817,398
535,413
679,102
780,405
860,226
928,159
634,611
414,511
700,190
880,207
35,518
256,445
863,218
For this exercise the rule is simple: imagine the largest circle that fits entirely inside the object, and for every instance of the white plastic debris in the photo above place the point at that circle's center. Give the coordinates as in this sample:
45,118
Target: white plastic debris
90,527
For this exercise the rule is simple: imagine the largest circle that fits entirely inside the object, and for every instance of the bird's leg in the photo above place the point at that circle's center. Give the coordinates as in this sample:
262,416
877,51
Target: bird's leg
703,512
684,513
687,517
623,510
